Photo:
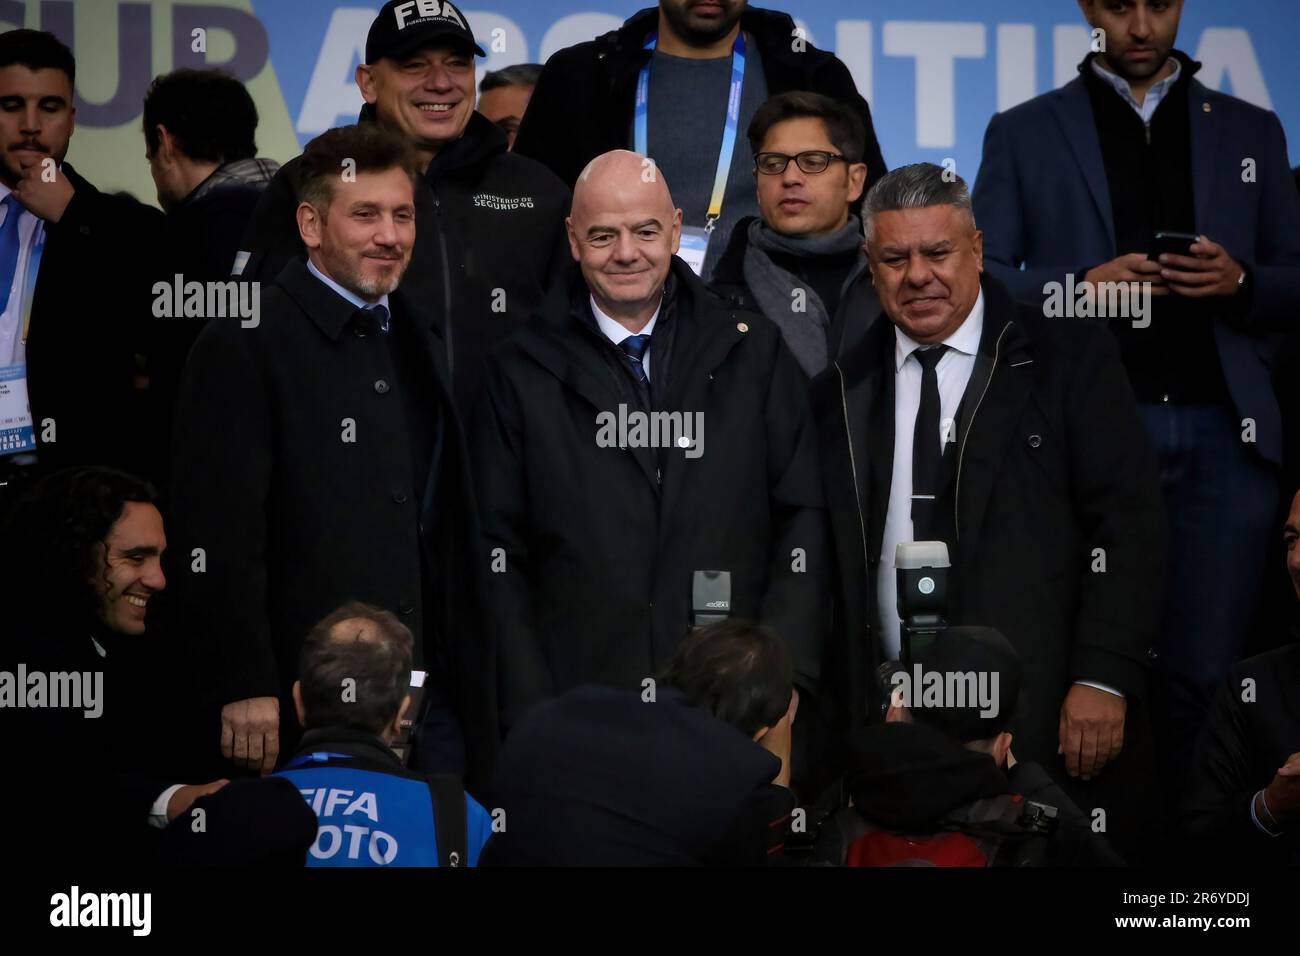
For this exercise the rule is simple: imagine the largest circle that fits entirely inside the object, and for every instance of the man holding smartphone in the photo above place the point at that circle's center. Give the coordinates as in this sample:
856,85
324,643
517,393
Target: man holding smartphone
1135,172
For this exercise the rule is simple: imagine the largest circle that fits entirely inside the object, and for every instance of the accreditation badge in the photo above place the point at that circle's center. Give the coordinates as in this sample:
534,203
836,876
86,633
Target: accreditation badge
16,432
694,244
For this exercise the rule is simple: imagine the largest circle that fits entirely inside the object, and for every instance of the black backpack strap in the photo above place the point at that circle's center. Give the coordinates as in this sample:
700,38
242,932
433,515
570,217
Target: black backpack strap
449,811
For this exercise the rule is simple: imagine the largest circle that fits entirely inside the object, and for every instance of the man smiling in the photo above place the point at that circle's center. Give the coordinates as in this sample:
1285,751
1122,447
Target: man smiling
318,459
601,544
492,231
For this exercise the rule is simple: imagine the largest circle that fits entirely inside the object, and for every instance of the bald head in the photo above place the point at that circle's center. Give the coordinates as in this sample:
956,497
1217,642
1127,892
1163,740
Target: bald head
621,179
624,231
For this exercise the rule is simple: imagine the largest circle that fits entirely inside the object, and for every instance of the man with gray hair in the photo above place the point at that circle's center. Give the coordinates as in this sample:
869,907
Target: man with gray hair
972,420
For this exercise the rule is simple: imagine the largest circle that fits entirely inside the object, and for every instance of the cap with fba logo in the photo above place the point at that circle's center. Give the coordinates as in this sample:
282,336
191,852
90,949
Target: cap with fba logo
405,26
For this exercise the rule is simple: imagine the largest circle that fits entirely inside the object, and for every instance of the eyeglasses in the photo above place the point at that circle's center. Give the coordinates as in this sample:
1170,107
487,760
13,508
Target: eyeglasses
810,161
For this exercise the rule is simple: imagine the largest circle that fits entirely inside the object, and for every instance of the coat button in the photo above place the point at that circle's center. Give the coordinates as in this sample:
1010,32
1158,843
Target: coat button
399,498
1035,441
742,327
381,386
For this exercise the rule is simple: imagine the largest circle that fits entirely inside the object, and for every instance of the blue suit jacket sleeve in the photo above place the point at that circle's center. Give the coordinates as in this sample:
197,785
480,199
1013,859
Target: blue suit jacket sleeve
997,199
1275,268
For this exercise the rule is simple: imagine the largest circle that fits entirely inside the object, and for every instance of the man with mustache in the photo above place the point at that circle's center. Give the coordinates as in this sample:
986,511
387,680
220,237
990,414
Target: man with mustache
492,222
701,69
74,288
1077,182
318,459
970,419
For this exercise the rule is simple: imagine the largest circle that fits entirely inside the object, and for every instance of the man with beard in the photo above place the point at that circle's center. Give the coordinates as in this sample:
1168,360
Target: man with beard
492,222
318,459
700,69
73,287
1072,189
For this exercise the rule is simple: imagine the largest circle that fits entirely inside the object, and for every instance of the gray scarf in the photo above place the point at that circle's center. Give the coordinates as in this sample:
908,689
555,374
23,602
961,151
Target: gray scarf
804,331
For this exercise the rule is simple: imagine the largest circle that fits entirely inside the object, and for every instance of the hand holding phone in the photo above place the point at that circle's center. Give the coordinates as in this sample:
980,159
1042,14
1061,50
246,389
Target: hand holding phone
1203,269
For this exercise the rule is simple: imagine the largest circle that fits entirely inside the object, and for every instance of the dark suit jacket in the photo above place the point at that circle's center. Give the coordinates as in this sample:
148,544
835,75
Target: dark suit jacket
600,777
1053,464
1043,203
294,520
600,543
93,298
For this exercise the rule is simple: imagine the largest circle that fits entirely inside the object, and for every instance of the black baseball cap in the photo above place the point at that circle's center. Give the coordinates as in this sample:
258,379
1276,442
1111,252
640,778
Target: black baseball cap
985,659
404,26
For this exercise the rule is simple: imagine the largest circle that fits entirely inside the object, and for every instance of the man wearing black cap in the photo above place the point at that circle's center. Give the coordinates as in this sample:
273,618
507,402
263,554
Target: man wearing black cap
937,783
491,222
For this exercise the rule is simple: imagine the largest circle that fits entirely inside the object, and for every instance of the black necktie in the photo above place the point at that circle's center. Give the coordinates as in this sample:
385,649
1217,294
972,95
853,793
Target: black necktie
927,451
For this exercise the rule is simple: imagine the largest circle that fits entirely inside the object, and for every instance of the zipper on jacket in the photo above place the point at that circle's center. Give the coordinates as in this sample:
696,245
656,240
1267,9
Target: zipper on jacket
446,288
961,455
857,494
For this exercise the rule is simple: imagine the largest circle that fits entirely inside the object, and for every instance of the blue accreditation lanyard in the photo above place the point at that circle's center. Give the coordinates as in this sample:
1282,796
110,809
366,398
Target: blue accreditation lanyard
728,133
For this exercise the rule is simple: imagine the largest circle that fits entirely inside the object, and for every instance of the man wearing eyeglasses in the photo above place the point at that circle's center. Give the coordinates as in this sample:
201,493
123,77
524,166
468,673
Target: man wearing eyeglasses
801,262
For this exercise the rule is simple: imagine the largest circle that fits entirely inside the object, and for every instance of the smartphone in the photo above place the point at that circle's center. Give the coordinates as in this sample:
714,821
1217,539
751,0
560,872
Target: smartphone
1175,243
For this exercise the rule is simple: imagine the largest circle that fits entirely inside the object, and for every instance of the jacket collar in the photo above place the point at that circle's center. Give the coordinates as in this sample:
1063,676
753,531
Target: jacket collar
346,740
1072,107
330,311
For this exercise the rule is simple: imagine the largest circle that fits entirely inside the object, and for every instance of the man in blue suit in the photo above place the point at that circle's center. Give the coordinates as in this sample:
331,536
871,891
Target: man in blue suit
1072,188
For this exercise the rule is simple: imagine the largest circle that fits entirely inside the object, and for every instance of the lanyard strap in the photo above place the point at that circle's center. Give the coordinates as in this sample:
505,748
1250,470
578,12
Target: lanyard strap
29,280
728,133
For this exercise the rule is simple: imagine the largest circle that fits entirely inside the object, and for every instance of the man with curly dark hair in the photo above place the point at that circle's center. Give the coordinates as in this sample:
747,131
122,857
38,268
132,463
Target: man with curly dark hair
89,694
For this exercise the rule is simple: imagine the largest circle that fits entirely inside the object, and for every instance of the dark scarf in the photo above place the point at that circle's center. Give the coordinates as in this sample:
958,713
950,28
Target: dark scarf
804,332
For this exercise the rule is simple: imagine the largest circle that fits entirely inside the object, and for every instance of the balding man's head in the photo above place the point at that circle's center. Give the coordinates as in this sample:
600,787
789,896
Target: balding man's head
624,231
355,671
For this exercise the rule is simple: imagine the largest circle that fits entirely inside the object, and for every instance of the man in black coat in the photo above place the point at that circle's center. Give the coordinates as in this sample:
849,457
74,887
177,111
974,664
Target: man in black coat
74,278
491,222
692,770
209,179
1243,806
318,458
585,100
96,704
598,514
1031,465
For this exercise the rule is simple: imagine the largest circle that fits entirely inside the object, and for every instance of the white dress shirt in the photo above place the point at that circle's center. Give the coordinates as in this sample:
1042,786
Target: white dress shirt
13,351
616,333
1147,108
953,371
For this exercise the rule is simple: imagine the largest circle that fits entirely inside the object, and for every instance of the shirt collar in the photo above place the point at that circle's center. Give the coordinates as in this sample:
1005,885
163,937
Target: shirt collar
347,294
964,339
615,332
1154,95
